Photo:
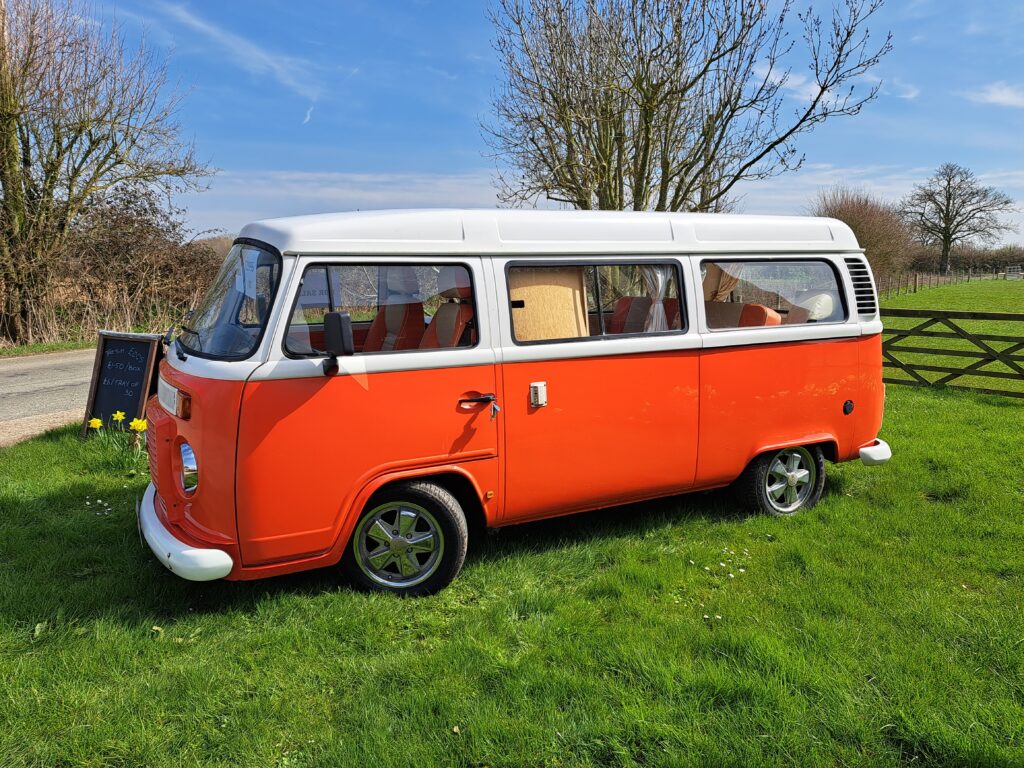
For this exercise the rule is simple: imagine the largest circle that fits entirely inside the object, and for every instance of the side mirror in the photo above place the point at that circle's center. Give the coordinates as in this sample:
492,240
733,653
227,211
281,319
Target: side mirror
337,339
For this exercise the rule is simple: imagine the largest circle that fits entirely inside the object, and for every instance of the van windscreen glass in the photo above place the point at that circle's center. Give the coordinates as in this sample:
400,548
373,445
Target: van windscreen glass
229,322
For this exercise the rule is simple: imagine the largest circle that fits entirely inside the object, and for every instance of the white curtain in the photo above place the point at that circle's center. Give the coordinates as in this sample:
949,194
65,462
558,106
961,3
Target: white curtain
656,279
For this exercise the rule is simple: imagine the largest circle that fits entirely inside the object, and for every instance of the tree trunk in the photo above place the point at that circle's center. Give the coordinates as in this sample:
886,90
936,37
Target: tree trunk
944,257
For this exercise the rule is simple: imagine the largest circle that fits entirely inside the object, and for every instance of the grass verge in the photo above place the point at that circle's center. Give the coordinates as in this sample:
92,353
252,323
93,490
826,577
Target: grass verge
881,628
50,346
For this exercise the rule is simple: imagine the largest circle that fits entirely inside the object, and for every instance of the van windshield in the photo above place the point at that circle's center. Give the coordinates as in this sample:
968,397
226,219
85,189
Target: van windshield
229,322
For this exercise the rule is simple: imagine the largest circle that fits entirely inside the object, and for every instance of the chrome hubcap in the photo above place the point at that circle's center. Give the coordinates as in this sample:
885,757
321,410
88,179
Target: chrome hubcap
790,479
398,544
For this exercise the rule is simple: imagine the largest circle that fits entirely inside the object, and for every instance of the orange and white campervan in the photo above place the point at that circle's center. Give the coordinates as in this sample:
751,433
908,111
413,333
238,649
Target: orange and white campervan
361,388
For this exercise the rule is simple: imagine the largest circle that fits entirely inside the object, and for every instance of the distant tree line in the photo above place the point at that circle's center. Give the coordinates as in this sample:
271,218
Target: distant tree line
90,153
949,221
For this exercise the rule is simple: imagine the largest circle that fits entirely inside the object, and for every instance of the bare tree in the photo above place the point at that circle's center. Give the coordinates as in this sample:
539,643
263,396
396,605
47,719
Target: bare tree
666,104
886,238
81,113
953,208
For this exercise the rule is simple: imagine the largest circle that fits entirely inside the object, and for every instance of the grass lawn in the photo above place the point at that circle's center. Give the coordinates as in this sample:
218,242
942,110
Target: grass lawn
976,296
50,346
883,627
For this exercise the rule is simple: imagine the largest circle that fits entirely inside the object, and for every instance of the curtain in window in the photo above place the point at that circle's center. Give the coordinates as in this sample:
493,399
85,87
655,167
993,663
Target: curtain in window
718,282
656,277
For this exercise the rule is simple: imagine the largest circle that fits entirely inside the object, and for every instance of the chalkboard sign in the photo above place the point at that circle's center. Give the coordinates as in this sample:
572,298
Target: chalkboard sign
123,376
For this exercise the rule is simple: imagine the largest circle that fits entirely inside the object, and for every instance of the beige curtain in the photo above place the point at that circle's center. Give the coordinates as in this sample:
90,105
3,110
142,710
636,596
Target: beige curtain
718,283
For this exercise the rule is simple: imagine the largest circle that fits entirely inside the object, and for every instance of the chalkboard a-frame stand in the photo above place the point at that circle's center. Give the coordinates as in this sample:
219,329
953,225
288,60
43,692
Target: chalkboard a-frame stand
122,376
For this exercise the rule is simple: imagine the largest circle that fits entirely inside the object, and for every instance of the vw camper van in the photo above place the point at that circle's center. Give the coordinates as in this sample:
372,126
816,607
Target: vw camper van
360,389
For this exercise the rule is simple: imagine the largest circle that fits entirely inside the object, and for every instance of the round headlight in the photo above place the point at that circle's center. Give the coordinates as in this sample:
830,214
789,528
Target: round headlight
189,469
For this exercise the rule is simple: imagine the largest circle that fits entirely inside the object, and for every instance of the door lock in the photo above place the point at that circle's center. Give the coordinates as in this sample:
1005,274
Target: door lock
538,394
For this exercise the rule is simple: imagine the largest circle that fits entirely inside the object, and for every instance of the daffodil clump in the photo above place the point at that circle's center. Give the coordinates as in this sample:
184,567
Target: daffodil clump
124,448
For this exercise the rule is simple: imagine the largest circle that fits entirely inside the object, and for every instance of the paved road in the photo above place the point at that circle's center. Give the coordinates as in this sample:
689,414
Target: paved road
39,392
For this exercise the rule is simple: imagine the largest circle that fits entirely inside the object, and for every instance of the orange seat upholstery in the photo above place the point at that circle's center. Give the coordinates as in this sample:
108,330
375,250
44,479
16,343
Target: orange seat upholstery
758,314
451,325
399,321
629,315
672,313
729,314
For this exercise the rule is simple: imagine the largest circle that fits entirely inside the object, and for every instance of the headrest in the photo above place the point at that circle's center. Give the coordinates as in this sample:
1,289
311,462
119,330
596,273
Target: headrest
453,283
402,280
819,304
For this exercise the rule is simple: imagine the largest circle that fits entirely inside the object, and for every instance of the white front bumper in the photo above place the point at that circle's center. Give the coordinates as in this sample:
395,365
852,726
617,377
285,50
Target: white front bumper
182,559
875,454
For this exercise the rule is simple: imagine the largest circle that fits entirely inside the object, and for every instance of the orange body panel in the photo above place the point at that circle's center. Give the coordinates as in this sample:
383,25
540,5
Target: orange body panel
207,517
767,396
287,465
614,429
309,447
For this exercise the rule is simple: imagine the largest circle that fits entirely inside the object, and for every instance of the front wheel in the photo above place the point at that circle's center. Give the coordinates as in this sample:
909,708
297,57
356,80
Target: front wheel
783,482
410,540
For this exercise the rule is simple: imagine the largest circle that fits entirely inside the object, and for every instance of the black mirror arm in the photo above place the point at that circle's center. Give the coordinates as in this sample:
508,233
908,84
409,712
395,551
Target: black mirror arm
337,340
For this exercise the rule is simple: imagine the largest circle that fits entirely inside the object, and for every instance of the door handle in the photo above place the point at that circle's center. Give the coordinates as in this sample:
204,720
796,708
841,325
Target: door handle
482,399
488,398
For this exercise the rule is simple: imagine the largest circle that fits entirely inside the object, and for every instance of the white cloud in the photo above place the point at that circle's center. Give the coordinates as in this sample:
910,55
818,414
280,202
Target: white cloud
293,73
309,115
904,90
237,197
1001,94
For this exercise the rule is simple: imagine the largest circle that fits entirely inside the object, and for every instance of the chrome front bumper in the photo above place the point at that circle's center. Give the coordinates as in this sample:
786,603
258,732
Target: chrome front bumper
878,452
180,558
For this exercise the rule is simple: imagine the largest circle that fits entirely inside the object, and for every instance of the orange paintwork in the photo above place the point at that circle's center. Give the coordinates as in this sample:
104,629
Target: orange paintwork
774,395
294,461
615,429
207,518
308,447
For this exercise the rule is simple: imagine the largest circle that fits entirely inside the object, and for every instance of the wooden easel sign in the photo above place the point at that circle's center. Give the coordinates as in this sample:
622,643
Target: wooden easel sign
123,376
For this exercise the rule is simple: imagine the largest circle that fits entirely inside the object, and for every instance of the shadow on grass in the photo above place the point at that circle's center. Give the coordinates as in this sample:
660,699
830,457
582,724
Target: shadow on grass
63,564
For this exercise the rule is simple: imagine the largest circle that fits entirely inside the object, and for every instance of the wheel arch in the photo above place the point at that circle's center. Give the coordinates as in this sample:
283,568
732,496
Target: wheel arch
455,479
827,443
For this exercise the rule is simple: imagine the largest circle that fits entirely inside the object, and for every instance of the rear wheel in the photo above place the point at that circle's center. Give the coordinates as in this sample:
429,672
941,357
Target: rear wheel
410,540
783,482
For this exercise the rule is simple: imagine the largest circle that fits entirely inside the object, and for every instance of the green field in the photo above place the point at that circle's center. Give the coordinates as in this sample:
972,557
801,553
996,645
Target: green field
976,296
884,627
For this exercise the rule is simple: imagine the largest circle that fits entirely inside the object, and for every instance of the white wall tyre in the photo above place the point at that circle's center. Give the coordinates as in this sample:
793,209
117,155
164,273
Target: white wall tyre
783,482
410,540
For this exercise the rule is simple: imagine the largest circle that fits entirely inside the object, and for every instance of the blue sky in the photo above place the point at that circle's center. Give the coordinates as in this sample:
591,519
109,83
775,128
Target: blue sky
314,106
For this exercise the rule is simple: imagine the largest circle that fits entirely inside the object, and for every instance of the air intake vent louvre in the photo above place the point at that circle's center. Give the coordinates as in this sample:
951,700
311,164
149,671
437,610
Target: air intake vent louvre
863,287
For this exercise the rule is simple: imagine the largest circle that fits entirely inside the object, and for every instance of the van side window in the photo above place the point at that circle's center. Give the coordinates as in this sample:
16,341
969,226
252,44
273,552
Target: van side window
745,294
394,308
560,303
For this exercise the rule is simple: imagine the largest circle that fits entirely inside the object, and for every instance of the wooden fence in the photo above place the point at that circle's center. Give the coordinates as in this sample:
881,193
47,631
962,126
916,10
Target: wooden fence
911,282
990,350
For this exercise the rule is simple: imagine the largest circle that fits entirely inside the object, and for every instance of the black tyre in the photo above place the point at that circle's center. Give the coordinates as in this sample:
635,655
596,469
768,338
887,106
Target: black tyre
410,540
783,482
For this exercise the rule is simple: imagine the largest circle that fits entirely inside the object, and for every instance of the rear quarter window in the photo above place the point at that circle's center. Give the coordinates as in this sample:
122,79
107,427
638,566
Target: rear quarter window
740,293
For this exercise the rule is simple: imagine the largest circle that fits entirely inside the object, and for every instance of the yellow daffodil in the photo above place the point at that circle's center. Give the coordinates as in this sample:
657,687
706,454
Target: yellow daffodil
138,425
95,423
118,416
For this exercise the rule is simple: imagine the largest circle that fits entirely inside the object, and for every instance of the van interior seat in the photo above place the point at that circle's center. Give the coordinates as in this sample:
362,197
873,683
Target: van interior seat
629,314
728,314
399,321
451,325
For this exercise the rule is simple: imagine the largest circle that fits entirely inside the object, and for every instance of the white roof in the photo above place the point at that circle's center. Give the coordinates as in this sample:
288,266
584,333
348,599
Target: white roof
499,231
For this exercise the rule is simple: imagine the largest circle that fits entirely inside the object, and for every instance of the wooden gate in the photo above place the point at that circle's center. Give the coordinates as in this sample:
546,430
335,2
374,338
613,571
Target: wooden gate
919,343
